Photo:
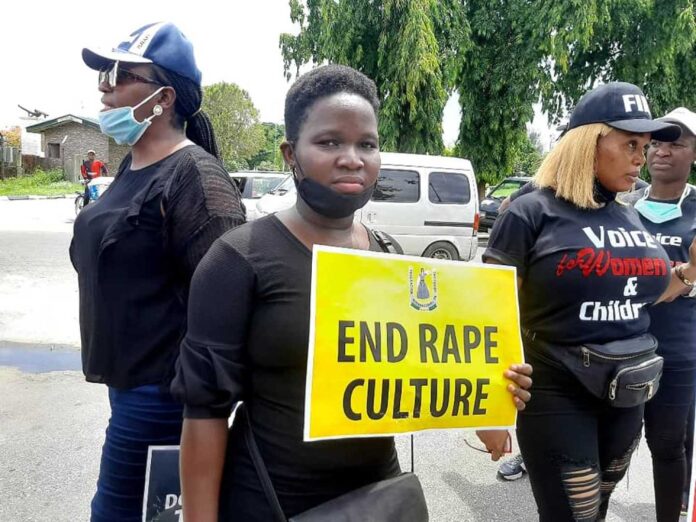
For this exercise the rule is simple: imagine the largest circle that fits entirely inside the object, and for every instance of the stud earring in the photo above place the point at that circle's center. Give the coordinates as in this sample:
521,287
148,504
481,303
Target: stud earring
157,110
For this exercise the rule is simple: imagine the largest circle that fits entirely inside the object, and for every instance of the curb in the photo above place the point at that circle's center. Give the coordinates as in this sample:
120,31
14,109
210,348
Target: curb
33,198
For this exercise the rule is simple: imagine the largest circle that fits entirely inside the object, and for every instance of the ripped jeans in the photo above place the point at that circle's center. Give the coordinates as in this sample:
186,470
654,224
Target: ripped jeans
576,448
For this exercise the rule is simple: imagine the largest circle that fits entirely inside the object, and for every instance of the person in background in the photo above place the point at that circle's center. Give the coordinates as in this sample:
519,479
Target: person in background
667,209
92,168
136,248
248,327
576,446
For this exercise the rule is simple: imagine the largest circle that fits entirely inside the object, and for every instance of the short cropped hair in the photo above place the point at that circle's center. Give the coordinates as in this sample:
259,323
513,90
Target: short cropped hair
569,169
320,83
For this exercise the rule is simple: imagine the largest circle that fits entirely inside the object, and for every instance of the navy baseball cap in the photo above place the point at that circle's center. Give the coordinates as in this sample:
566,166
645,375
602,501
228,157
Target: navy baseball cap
622,106
162,44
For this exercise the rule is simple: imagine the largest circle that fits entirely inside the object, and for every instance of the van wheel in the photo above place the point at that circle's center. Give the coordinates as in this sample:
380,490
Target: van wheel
441,250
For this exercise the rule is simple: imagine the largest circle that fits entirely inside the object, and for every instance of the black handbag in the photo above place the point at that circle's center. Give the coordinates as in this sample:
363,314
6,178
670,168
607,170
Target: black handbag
398,499
623,373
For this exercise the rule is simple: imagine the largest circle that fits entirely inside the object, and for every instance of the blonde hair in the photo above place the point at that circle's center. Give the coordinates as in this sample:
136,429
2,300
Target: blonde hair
569,169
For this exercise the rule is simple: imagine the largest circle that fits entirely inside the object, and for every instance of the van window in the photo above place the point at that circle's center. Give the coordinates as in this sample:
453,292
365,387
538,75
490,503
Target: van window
447,187
397,186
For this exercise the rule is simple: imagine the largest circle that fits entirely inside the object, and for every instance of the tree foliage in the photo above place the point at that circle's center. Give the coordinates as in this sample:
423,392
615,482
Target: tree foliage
501,57
235,121
497,81
646,42
269,157
12,137
528,155
403,45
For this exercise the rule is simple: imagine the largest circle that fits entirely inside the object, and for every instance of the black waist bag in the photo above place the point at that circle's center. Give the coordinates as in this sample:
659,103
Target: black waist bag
623,373
398,499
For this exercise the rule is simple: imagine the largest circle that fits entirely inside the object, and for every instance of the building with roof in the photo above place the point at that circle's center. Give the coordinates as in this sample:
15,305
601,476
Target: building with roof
65,141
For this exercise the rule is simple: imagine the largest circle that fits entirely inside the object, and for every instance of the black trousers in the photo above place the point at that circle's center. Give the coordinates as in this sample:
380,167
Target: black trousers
576,448
666,417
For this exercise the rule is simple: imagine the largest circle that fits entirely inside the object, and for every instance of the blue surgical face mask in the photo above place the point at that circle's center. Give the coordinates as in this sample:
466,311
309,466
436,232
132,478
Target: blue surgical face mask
659,212
121,124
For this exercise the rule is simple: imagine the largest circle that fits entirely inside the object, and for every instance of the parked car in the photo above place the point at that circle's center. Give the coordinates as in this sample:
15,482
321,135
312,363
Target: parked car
252,185
429,204
496,195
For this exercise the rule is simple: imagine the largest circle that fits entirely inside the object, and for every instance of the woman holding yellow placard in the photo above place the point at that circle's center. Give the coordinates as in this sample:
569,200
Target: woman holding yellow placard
249,328
588,269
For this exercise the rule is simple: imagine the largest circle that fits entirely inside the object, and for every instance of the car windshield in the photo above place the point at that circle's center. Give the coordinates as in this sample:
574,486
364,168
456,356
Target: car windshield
286,186
506,188
261,186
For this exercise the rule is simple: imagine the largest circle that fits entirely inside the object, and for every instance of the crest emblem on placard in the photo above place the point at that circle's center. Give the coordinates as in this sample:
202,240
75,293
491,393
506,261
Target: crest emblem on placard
423,292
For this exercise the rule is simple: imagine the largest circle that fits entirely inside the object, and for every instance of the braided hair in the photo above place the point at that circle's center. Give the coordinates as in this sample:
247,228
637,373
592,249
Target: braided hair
187,109
320,83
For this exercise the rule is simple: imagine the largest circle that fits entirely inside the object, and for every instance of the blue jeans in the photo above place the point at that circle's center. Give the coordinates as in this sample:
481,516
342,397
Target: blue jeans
140,417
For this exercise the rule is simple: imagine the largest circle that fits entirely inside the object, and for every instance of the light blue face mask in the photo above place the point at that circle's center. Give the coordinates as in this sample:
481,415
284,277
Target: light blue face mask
121,124
659,212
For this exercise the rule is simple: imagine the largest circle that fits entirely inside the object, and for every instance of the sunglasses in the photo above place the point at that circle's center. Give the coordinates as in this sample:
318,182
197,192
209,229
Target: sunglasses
113,75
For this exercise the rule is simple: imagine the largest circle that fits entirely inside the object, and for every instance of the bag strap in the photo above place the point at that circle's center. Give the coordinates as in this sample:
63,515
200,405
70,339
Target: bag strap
386,242
389,245
413,469
261,470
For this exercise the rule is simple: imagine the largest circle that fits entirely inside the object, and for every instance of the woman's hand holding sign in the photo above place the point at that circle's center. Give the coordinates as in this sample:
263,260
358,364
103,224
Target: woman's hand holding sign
520,374
497,442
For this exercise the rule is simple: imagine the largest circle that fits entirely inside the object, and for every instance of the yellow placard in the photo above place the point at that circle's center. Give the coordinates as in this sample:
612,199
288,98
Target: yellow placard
401,344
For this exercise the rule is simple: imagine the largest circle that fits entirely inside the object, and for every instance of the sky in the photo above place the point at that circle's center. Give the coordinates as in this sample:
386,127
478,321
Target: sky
234,41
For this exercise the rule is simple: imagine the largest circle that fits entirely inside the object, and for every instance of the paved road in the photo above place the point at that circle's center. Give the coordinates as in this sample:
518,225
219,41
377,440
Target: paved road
51,424
38,286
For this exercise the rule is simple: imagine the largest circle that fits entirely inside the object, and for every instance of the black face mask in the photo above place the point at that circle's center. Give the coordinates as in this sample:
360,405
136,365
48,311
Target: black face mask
327,202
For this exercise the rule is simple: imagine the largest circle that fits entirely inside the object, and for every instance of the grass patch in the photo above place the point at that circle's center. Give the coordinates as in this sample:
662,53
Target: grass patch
40,183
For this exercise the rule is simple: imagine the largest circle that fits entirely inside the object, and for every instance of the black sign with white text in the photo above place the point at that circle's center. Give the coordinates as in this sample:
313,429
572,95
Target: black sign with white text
162,499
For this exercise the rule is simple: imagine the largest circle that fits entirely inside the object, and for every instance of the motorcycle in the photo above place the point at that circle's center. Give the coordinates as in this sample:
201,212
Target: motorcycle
96,188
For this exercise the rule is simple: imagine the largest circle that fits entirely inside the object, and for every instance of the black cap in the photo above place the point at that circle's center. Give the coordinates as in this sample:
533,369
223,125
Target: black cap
622,106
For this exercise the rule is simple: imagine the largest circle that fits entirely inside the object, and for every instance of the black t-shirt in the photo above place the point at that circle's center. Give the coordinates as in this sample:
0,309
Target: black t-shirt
247,340
587,275
134,264
674,323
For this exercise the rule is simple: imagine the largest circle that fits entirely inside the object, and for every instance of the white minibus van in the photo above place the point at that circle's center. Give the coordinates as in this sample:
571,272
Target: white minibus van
429,204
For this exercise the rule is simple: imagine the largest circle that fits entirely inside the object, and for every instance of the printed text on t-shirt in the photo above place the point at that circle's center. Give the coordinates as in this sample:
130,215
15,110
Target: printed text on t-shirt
620,238
601,262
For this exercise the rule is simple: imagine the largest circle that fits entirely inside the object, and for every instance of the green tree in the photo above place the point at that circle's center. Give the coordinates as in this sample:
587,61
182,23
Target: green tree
554,51
645,42
408,47
236,123
497,81
528,155
501,57
269,157
12,137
